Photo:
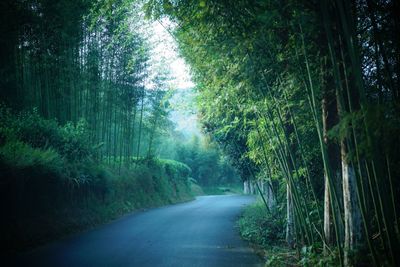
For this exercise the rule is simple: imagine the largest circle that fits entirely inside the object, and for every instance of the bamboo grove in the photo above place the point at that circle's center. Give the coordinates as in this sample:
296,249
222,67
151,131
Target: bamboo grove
84,107
85,60
304,96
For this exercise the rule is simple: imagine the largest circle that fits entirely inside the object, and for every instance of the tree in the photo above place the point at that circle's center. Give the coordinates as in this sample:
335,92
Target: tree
292,89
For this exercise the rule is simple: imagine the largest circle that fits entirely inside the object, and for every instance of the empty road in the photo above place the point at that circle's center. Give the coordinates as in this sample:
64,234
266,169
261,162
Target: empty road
197,233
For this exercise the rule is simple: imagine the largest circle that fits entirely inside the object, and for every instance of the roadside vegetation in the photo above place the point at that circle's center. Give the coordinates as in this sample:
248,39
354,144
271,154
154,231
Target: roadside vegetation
300,99
52,185
304,98
266,233
210,168
85,120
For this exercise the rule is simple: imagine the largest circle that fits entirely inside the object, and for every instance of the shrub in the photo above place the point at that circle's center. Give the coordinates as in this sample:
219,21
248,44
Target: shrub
260,227
176,169
50,184
19,155
70,141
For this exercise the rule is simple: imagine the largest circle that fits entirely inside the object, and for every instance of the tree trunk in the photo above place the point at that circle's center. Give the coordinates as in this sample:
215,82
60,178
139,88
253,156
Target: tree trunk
246,187
152,133
290,238
352,216
140,125
329,120
252,188
269,196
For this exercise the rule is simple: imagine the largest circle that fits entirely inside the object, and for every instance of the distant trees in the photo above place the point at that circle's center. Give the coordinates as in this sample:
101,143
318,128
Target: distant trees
304,96
208,167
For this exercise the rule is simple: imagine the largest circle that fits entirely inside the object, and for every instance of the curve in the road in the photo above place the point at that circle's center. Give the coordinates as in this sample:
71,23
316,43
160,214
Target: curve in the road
197,233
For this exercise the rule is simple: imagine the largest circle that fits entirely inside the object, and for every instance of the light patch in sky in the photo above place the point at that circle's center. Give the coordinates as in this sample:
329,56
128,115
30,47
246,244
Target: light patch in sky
165,50
165,53
184,113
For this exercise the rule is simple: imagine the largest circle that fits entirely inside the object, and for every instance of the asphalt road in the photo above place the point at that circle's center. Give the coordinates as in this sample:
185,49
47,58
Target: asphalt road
197,233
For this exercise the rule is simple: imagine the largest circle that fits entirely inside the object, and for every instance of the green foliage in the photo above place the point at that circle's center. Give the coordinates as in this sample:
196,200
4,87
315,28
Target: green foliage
310,257
51,181
295,91
282,257
21,156
175,168
262,228
207,165
267,232
224,189
70,141
262,70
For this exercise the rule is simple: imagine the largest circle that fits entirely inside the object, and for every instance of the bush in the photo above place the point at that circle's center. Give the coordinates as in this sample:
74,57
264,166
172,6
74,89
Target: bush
18,155
260,227
207,165
70,141
267,232
50,184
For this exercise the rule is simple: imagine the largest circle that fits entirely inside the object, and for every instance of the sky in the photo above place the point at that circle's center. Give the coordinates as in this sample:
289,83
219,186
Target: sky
165,50
165,46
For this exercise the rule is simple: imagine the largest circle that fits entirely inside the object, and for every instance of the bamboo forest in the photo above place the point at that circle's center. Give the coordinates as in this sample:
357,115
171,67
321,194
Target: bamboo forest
200,133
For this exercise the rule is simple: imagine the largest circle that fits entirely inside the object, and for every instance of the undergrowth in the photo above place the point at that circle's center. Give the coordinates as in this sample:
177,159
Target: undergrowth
51,184
226,189
266,232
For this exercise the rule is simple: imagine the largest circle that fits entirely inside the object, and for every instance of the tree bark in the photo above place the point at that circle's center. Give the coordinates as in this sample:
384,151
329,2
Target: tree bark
290,238
352,216
246,187
270,196
329,120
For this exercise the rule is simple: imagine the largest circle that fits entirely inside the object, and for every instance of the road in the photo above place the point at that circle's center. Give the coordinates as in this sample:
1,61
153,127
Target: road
196,233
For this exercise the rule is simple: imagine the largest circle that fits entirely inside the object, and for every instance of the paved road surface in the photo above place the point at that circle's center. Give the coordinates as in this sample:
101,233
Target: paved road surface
197,233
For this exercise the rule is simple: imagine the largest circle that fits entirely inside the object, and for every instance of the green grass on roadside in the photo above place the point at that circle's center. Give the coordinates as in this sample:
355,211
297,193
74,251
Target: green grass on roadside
266,232
54,206
223,189
52,182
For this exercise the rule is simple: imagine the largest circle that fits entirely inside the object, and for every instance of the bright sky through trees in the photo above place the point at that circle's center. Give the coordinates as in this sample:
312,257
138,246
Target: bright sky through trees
300,99
165,51
165,48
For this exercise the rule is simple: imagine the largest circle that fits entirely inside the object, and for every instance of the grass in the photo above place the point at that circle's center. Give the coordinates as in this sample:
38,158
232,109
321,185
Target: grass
51,185
266,233
228,189
51,207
